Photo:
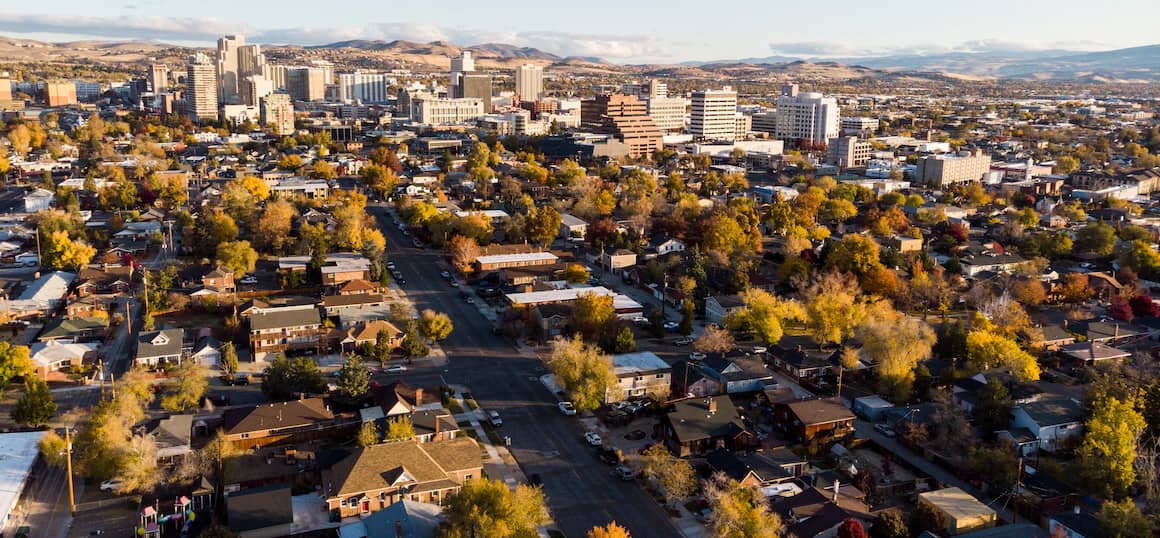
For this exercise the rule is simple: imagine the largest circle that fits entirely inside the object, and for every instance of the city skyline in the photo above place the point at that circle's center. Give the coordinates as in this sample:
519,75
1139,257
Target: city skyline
639,34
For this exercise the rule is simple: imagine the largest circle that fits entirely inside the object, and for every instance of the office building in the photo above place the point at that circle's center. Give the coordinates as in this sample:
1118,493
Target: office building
650,89
714,115
764,122
254,88
463,64
276,74
806,117
363,87
434,111
201,89
306,83
229,78
277,113
476,86
87,91
670,114
251,61
61,93
943,170
5,91
529,82
848,152
742,126
158,78
857,125
626,118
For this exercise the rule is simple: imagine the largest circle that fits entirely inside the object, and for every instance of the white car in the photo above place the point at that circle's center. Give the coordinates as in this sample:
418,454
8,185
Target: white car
671,325
593,439
760,349
110,485
396,369
696,356
249,280
567,408
445,274
494,419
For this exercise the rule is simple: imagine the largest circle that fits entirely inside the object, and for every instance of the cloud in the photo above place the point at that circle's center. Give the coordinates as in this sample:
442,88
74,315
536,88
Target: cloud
122,27
811,49
815,48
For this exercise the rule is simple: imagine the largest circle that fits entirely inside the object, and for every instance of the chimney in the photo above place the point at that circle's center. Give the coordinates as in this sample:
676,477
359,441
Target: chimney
438,419
712,405
418,396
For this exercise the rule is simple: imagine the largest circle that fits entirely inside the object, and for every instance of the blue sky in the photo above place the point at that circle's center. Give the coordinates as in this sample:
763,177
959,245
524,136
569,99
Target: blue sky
620,31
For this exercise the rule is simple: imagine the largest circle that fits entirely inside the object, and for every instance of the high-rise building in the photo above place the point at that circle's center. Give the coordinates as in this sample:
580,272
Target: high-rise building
626,118
476,86
306,83
714,115
650,89
764,122
363,87
5,90
742,126
848,152
808,117
254,88
529,82
61,93
943,170
277,112
228,64
463,64
668,113
158,78
276,74
201,89
251,61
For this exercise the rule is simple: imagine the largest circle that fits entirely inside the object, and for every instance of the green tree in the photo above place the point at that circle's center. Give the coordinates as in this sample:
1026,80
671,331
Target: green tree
35,407
583,371
1123,519
400,429
237,256
229,358
543,224
765,315
1142,259
286,378
625,341
688,311
14,361
992,411
1108,450
487,507
1095,238
382,347
354,380
413,344
435,325
674,476
889,524
739,511
368,434
185,388
834,307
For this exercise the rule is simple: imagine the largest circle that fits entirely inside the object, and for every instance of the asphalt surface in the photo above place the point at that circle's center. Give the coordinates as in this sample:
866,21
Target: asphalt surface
580,490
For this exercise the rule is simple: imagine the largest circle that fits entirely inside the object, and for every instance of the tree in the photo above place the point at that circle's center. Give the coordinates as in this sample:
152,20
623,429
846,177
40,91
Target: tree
464,251
14,361
764,315
851,528
926,517
674,476
575,273
715,340
413,344
52,448
1108,450
322,170
987,349
854,253
1123,519
1142,259
625,341
35,407
185,389
286,378
273,228
229,358
1065,165
583,371
1143,306
487,507
591,312
400,429
379,179
612,530
889,524
237,256
543,224
739,511
897,343
382,347
688,310
1074,289
434,325
992,411
1029,292
354,380
834,308
62,252
368,434
1095,238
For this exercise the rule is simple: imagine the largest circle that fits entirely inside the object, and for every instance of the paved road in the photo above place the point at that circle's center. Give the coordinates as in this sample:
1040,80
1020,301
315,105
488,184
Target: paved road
581,493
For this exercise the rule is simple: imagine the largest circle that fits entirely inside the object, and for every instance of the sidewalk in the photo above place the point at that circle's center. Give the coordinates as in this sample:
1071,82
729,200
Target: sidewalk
502,464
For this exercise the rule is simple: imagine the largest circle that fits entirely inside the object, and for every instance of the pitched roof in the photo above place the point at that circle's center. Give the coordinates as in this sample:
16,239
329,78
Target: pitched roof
331,301
370,330
163,343
289,317
424,421
819,411
729,301
271,416
388,395
358,285
691,419
1053,412
49,353
70,327
1092,351
383,466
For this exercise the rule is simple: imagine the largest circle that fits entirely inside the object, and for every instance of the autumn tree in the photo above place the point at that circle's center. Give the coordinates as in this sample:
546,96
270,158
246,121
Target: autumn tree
229,358
1123,519
543,224
237,256
368,434
854,253
673,476
715,340
834,307
184,390
583,371
272,234
1074,288
765,315
379,179
591,312
35,407
739,511
62,252
897,343
1095,238
988,349
889,524
612,530
14,361
400,429
488,507
1108,451
434,325
575,273
1029,292
464,251
851,528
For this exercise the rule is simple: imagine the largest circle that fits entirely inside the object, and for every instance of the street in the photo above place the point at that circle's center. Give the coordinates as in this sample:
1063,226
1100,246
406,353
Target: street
580,491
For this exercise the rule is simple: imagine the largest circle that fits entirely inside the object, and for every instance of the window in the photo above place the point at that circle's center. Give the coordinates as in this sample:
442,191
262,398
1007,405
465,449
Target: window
660,376
467,477
245,436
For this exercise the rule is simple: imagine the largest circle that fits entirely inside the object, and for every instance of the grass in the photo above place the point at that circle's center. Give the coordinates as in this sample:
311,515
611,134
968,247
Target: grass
492,435
471,404
454,406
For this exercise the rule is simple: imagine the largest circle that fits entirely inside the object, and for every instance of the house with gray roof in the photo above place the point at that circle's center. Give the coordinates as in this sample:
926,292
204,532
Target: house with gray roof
158,347
1053,422
279,329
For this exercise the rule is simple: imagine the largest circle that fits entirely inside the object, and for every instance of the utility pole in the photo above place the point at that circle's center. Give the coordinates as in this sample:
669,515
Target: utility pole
38,245
72,503
128,321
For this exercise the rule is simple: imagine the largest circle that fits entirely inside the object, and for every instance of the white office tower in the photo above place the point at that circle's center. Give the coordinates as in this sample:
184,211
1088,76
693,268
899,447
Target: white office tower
254,88
277,113
810,117
436,111
529,82
229,78
714,115
670,114
201,89
251,61
363,87
158,78
459,66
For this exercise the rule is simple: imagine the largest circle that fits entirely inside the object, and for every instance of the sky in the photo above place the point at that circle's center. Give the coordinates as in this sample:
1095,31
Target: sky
648,31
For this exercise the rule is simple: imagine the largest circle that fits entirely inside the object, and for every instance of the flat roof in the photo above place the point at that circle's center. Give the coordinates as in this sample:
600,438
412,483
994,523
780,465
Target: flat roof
957,503
555,296
627,364
509,258
18,452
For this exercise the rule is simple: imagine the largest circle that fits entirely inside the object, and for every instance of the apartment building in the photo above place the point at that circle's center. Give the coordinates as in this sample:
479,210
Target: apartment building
807,117
253,88
670,114
529,82
476,86
942,170
280,329
306,83
158,78
277,111
364,86
856,125
714,115
848,152
201,89
61,93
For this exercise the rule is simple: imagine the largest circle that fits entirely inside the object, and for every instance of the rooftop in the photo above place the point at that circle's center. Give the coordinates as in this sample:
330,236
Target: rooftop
957,504
642,362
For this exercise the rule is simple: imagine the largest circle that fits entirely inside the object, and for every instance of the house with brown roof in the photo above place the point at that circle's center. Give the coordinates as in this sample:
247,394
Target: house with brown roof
377,476
398,398
106,280
814,420
358,286
214,278
700,425
280,422
368,333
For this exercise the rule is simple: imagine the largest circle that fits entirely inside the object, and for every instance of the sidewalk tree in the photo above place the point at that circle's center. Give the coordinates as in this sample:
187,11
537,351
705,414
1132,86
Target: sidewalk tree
1108,451
382,346
35,407
287,378
464,251
582,370
674,476
688,312
368,434
14,361
488,507
434,325
413,344
739,511
52,448
354,380
229,358
185,389
591,312
575,273
612,530
400,429
715,340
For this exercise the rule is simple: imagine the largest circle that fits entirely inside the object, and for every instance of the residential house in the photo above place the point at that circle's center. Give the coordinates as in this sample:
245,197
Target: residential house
86,307
618,259
1092,353
110,281
902,244
815,513
690,380
738,373
49,358
803,360
358,286
265,512
399,398
207,279
333,305
207,351
75,329
404,519
814,420
493,262
1075,524
962,512
338,268
155,348
38,200
375,477
572,226
639,374
172,435
995,263
719,307
1054,423
663,245
368,333
433,425
280,329
697,426
42,296
759,468
552,319
281,422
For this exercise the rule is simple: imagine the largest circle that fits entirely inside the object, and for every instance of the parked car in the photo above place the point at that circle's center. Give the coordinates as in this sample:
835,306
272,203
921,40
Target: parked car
593,439
249,280
390,266
396,369
640,321
567,408
494,419
885,430
609,456
417,243
445,274
623,472
110,485
683,341
697,356
671,325
760,349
